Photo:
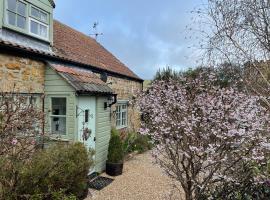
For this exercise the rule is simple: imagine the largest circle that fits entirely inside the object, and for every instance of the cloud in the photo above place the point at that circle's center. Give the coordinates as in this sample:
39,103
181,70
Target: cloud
145,35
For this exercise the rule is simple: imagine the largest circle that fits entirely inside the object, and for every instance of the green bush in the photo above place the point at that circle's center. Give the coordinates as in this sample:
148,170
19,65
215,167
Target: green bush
59,172
116,151
142,144
137,142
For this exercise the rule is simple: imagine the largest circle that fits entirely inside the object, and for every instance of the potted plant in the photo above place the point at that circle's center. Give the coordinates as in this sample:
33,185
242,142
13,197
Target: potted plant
114,164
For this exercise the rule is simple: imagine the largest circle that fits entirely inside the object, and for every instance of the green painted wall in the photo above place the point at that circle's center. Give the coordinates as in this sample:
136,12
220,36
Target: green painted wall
103,134
56,86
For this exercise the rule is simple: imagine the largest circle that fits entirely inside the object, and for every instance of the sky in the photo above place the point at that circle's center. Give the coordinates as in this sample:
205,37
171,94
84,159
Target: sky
146,35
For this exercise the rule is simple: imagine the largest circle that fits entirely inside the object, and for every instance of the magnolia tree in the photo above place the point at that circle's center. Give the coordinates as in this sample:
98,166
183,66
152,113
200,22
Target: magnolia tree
203,132
20,124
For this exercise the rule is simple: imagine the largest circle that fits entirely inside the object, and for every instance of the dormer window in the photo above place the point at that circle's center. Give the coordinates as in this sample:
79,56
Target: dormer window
39,23
16,13
27,18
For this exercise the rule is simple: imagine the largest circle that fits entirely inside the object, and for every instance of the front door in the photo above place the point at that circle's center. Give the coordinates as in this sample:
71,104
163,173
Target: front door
86,111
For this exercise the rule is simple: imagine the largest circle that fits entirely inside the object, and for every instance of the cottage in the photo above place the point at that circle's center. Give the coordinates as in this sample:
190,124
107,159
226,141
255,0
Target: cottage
83,89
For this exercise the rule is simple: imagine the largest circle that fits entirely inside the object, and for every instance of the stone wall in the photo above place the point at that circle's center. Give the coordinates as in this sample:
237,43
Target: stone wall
21,75
126,90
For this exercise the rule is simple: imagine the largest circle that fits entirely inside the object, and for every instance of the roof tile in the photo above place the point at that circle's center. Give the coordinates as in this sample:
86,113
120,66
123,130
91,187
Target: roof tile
76,46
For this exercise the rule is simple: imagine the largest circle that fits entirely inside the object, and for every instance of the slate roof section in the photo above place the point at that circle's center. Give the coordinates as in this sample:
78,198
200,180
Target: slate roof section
84,82
74,45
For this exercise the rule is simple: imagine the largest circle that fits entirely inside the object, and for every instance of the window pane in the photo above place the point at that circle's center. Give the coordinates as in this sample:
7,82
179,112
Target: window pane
12,5
43,16
43,31
21,21
86,116
35,12
58,125
59,106
124,114
21,8
11,18
34,27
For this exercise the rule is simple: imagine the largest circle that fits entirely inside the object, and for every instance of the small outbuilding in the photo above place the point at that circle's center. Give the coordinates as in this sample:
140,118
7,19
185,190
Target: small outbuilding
77,108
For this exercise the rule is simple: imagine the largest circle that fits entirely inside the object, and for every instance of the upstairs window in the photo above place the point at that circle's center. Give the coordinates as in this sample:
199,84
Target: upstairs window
28,19
39,23
16,13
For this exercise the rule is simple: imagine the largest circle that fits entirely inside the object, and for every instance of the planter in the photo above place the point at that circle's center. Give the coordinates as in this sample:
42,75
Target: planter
114,169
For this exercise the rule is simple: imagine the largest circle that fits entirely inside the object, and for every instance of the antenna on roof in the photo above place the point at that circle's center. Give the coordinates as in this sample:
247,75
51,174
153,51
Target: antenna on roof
95,31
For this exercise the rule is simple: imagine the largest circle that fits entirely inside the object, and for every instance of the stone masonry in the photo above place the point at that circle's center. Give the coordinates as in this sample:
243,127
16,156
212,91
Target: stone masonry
126,90
21,75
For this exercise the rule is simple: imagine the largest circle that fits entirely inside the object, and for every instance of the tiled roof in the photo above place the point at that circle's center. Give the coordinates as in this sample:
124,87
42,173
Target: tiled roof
81,80
76,46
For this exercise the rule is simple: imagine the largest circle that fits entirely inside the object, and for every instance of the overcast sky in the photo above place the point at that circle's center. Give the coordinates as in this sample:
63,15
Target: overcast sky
144,34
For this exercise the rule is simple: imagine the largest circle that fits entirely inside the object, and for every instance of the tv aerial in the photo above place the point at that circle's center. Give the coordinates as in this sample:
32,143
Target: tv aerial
95,33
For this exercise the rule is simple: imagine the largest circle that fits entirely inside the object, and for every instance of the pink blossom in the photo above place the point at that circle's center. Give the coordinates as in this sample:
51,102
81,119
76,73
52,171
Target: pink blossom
14,141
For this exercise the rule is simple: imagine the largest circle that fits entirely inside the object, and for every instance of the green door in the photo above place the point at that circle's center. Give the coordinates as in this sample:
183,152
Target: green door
86,111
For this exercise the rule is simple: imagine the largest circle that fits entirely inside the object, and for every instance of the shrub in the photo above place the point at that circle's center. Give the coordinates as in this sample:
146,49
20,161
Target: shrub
115,152
60,172
137,142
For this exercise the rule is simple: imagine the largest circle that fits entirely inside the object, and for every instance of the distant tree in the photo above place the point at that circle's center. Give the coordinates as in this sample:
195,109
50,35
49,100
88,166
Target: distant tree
238,32
167,74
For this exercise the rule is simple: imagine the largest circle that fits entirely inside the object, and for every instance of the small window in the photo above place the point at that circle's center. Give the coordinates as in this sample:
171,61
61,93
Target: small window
58,117
39,15
86,116
39,23
121,115
39,29
16,13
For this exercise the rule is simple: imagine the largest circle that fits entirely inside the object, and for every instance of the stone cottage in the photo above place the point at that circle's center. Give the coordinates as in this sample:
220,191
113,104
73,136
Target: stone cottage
83,89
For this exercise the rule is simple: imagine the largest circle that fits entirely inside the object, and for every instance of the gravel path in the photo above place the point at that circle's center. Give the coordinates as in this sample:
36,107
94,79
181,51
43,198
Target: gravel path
141,180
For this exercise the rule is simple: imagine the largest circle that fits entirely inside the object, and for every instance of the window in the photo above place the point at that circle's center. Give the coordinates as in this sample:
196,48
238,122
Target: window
86,116
27,18
58,117
39,23
121,115
16,13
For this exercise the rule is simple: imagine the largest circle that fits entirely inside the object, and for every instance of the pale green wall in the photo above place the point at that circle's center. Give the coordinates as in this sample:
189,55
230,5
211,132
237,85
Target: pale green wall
103,133
56,86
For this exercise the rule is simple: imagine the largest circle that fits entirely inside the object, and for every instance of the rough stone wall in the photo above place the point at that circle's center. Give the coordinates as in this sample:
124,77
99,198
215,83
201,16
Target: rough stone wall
126,90
21,75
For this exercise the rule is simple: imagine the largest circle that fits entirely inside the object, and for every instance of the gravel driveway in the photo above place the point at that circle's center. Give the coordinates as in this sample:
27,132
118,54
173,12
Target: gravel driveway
141,180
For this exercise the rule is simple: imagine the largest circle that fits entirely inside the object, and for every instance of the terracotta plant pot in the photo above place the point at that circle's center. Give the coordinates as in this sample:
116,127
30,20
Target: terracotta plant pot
114,169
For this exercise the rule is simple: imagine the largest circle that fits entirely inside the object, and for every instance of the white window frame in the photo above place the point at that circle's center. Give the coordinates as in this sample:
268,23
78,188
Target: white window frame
58,116
39,22
121,115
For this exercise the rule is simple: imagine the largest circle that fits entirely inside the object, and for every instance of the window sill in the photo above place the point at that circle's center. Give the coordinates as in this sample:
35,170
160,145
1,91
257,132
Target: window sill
60,139
24,32
121,127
